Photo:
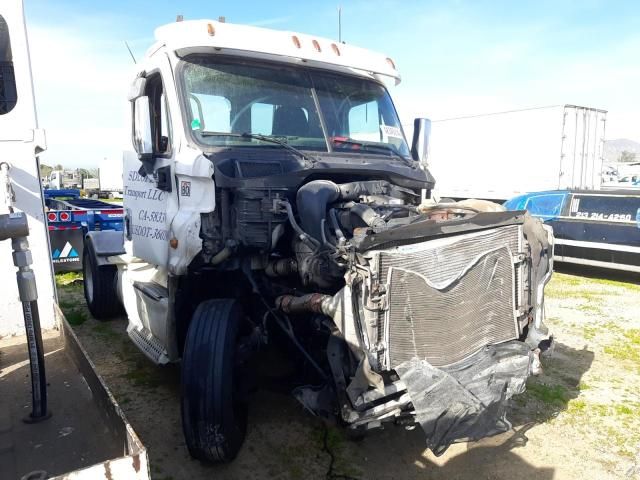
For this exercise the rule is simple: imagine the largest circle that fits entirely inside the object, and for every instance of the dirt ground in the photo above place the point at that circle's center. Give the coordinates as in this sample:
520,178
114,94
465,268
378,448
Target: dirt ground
581,419
58,444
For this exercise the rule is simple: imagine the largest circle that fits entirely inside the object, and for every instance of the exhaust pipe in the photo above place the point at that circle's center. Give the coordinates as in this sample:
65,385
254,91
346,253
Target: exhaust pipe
310,303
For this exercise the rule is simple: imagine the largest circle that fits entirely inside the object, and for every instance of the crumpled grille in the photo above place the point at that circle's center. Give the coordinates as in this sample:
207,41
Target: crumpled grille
442,259
444,318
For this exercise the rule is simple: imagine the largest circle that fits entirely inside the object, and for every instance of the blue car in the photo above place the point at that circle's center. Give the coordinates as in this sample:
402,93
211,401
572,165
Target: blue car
591,227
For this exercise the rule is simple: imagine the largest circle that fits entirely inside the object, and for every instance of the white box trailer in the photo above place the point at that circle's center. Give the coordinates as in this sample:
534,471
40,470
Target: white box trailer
91,184
500,155
110,177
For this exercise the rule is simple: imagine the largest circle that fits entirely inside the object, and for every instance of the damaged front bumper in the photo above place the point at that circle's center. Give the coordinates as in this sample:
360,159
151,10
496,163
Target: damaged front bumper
467,401
445,329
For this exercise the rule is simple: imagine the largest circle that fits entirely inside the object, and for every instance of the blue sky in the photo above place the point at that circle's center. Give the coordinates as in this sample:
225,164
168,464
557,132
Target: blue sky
456,57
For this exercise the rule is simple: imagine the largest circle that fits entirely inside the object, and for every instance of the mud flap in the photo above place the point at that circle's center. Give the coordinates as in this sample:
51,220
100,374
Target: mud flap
467,401
66,250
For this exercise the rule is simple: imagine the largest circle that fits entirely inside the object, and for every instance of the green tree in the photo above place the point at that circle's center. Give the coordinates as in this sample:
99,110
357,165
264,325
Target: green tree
627,156
45,170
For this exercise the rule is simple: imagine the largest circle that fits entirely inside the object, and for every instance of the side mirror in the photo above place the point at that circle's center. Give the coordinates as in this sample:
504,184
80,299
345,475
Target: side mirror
420,144
137,88
142,127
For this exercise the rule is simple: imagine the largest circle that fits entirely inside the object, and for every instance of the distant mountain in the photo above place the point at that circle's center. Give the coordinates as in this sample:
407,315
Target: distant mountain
614,148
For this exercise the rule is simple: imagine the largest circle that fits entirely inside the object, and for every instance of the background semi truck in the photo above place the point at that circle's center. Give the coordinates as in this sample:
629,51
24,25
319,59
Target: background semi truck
504,154
271,200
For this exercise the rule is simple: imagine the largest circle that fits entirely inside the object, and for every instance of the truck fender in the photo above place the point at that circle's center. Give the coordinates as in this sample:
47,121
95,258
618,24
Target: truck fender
106,243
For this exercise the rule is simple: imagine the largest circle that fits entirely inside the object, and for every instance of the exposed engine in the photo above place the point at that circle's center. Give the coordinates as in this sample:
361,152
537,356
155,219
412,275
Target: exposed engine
309,234
401,289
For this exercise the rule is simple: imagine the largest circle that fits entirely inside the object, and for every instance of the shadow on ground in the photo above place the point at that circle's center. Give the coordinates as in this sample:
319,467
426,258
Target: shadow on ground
76,435
550,393
396,453
285,442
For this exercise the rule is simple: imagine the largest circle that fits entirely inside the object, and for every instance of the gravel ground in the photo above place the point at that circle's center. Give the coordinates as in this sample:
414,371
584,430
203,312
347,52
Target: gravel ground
581,419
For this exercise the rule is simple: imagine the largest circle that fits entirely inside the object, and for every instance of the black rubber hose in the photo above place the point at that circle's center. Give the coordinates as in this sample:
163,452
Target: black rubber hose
36,360
312,200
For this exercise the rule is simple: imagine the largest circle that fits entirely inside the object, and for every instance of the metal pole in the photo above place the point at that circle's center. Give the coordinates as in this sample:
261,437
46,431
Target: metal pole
561,173
602,142
587,140
595,185
575,150
340,24
584,137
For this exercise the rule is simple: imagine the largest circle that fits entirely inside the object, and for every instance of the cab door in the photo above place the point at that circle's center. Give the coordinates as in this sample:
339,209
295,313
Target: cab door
148,185
150,202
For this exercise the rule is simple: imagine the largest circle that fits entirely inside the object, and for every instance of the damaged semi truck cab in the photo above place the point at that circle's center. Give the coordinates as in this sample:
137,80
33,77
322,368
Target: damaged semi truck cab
270,196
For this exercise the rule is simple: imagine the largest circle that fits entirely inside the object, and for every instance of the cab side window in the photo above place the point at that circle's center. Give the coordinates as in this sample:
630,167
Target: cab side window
159,111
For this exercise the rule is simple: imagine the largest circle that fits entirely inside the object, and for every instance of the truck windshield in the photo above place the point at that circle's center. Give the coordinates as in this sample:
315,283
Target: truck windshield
307,109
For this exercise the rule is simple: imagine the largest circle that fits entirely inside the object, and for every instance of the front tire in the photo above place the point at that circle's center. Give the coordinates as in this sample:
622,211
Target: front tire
214,411
100,286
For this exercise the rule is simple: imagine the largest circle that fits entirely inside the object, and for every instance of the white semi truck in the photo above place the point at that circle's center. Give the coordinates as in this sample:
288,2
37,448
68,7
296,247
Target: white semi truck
270,195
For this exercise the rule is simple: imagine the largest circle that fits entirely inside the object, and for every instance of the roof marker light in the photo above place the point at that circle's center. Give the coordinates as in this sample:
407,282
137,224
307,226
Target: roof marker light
210,29
335,48
296,41
316,45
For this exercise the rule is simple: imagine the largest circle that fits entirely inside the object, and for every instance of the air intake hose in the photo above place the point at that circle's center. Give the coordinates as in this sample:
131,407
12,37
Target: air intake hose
312,201
314,198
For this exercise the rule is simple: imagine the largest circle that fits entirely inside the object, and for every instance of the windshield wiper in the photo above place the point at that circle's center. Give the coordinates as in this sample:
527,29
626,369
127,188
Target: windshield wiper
264,138
371,146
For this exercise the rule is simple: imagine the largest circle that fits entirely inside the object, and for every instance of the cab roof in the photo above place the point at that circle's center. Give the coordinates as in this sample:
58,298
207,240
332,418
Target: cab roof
210,36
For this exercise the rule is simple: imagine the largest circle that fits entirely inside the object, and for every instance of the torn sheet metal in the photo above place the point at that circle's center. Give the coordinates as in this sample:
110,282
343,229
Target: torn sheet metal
467,401
540,238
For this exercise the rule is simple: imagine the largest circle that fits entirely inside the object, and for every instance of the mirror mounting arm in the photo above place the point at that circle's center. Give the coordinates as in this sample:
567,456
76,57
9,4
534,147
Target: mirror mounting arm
147,161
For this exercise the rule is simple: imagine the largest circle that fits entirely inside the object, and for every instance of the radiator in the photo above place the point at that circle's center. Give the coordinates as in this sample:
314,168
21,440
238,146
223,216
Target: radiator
448,298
